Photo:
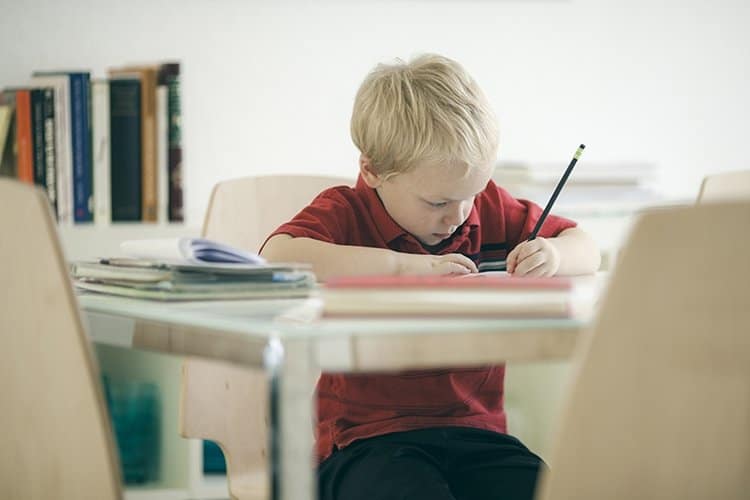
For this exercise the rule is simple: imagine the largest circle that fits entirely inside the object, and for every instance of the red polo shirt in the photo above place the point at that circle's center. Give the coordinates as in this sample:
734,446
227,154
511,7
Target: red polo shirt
352,407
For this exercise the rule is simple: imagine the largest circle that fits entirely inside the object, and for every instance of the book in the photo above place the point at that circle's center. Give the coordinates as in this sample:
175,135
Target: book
37,137
162,154
7,138
123,270
169,76
146,75
63,142
164,294
477,295
188,250
125,149
50,153
100,151
24,142
79,106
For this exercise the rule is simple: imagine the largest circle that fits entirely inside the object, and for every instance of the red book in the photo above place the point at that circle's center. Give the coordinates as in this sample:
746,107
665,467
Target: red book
23,136
474,295
477,281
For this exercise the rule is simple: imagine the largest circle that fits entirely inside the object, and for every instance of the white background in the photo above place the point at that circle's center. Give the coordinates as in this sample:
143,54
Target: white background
268,86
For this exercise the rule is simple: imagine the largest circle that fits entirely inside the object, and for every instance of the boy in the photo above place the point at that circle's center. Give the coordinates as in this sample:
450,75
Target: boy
423,204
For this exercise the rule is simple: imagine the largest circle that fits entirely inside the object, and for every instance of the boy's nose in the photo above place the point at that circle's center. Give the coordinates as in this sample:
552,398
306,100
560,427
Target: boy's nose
454,218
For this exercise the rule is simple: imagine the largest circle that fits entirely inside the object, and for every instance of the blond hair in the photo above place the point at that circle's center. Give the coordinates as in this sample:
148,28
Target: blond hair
426,110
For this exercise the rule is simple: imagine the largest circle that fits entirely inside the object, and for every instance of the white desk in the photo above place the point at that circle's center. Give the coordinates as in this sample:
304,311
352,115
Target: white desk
280,336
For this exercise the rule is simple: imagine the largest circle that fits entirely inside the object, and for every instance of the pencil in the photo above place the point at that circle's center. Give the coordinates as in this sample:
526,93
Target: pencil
559,187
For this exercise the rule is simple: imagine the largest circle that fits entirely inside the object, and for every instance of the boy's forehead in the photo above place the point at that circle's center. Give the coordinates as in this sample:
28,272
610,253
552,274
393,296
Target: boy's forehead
451,182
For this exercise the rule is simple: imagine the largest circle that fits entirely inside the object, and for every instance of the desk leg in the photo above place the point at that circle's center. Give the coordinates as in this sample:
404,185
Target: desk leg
291,420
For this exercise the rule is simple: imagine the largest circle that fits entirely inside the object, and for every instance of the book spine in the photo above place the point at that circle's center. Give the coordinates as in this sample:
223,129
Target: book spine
162,151
7,135
125,149
37,136
101,150
149,175
50,156
23,136
174,157
81,137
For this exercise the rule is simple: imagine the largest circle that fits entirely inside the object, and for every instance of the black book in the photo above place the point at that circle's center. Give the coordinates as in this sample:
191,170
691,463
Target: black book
125,148
37,136
169,75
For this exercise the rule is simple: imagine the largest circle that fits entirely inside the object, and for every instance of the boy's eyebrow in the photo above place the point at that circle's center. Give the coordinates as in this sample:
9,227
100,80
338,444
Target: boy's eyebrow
442,199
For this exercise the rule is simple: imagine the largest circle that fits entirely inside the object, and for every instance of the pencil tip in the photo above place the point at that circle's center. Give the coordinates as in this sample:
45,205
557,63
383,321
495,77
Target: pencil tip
582,146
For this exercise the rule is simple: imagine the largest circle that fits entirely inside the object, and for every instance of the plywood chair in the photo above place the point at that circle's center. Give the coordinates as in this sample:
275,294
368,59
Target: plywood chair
56,440
659,406
220,402
726,186
243,212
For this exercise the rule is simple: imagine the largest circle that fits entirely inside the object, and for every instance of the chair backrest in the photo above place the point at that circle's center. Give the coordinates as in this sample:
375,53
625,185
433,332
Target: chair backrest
221,402
228,405
659,404
243,212
727,186
55,437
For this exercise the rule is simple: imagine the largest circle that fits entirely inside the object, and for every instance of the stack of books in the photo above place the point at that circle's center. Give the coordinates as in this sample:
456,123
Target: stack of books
191,269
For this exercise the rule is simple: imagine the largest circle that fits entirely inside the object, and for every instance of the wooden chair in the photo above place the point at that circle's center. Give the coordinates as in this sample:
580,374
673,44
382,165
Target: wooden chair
221,402
56,440
659,406
727,186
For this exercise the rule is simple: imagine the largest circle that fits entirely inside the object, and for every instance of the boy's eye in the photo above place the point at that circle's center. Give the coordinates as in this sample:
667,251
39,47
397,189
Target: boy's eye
438,204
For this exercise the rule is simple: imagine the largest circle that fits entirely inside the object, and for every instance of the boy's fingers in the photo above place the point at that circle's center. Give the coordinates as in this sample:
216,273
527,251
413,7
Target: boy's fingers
510,261
528,248
530,263
537,272
468,263
455,268
461,260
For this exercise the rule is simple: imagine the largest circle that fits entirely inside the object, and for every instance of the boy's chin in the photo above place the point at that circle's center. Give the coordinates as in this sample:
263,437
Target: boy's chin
433,239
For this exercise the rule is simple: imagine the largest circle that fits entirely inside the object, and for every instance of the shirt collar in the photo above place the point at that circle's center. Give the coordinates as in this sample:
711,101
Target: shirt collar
388,228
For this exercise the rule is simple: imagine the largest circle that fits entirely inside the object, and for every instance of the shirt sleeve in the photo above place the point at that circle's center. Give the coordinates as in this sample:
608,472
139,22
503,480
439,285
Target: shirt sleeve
327,218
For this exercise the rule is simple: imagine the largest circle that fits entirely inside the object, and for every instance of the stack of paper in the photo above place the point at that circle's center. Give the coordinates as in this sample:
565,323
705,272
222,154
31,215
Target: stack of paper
188,269
592,187
476,296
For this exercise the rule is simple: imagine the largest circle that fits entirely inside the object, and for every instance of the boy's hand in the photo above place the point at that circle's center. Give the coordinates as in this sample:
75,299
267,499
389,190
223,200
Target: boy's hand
538,257
452,263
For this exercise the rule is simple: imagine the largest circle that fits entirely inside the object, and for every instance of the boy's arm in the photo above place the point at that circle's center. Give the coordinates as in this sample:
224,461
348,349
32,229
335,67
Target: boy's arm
329,259
571,252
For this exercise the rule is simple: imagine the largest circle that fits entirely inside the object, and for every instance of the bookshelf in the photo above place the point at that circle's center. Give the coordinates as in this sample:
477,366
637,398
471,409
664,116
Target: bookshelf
104,155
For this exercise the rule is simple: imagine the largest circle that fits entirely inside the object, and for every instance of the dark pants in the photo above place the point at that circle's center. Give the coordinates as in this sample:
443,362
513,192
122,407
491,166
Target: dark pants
447,463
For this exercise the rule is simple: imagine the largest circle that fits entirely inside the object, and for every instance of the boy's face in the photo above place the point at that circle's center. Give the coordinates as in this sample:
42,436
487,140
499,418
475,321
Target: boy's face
430,201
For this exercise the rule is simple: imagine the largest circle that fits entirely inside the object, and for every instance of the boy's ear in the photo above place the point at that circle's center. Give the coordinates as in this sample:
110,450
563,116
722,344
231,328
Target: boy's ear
372,179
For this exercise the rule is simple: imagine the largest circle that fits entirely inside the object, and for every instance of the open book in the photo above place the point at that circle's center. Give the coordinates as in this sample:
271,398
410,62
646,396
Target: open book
188,251
444,296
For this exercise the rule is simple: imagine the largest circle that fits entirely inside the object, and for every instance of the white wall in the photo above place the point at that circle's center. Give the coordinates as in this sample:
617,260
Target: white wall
268,85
